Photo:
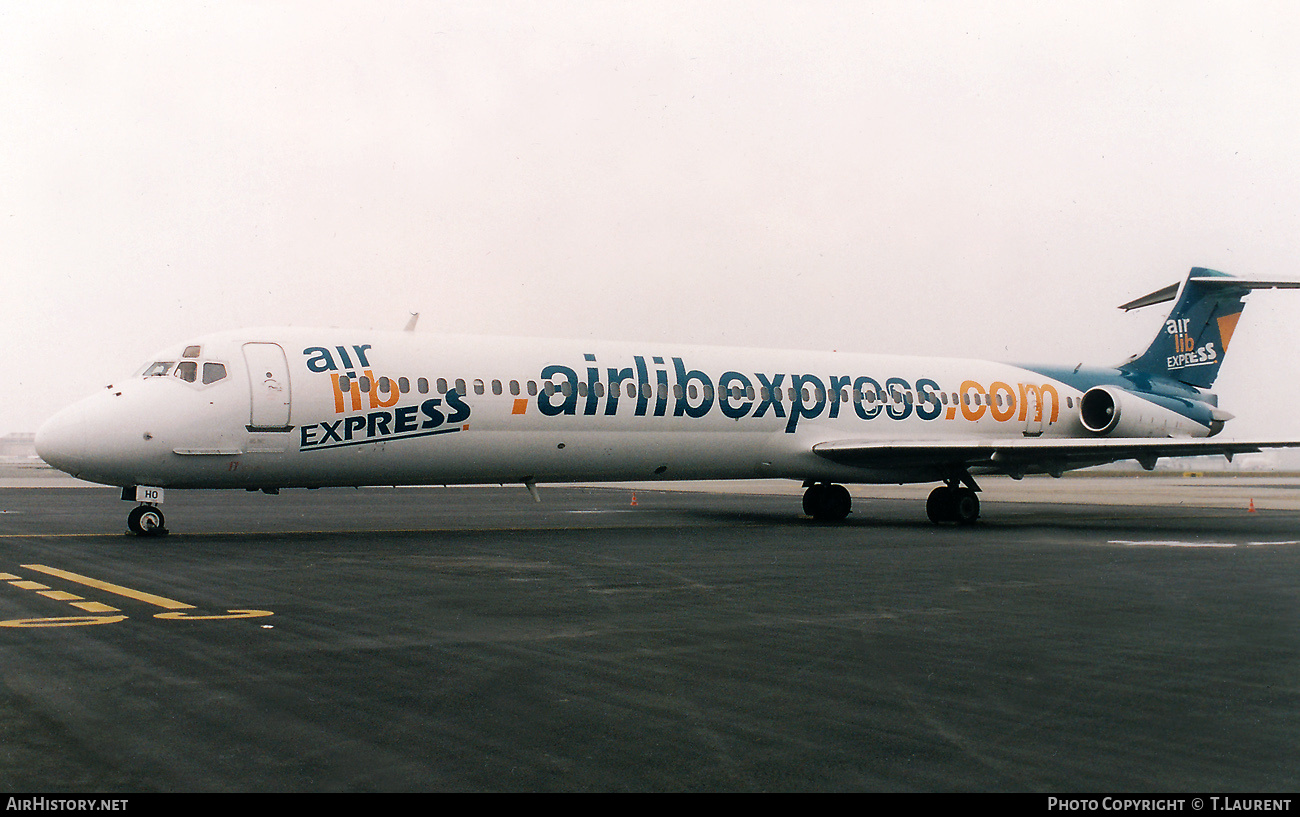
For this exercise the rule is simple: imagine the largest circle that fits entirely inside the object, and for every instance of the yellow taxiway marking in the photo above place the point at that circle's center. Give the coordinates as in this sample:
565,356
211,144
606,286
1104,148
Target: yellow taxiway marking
65,621
116,589
30,585
60,595
95,607
228,614
176,608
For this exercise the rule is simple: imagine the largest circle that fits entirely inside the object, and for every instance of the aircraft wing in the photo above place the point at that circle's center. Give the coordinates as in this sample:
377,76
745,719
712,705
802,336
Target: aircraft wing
1017,457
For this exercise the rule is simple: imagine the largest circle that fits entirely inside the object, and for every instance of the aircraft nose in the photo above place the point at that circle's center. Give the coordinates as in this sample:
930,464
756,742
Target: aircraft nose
61,441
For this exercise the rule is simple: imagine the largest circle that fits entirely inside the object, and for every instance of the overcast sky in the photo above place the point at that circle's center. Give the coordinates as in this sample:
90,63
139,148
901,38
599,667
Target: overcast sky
965,179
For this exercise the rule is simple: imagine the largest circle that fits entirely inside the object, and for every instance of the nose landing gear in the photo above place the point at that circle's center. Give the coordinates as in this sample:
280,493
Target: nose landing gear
146,520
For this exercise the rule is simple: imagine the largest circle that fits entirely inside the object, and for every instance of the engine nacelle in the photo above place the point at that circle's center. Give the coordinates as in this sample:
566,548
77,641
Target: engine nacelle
1115,412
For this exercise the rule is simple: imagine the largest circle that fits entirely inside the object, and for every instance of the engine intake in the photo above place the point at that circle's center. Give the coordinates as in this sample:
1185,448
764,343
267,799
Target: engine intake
1099,410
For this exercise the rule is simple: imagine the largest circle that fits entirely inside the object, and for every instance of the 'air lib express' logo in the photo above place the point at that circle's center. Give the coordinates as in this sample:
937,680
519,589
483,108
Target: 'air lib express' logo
1187,352
385,420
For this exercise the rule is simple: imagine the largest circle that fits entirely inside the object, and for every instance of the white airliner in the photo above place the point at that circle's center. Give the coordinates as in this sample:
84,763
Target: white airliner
304,408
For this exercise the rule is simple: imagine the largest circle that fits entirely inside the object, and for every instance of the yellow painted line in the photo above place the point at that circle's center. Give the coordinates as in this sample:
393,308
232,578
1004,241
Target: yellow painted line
60,595
66,621
58,535
30,585
116,589
229,614
8,577
94,607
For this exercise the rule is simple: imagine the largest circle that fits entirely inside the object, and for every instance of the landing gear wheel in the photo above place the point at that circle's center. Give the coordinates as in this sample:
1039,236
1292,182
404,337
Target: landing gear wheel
966,506
826,502
146,520
960,505
812,498
939,505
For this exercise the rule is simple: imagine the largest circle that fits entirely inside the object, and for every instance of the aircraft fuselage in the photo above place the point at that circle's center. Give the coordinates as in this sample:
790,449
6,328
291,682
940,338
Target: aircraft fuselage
313,408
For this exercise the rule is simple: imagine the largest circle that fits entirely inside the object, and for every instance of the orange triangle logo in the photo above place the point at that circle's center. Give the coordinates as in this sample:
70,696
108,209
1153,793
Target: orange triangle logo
1227,324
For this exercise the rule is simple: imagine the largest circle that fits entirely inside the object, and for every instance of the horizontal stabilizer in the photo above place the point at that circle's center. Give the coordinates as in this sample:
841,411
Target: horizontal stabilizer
1161,296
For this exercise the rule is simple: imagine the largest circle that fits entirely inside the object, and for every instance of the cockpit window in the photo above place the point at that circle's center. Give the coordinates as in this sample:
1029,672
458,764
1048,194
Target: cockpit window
188,370
192,351
212,372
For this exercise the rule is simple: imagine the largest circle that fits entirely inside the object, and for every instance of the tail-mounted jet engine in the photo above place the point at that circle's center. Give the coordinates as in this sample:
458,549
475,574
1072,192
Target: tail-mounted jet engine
1114,412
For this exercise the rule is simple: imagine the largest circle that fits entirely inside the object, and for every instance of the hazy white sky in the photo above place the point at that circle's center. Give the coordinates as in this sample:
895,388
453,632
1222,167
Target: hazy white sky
966,179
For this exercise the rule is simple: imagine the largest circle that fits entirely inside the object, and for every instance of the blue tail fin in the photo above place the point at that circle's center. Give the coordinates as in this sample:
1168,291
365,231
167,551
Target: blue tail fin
1190,347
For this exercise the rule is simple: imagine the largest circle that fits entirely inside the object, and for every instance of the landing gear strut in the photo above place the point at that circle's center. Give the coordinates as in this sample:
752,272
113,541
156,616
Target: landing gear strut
827,502
146,520
952,503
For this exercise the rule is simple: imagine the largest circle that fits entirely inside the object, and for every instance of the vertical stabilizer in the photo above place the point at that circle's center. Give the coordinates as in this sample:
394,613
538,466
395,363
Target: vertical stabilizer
1191,344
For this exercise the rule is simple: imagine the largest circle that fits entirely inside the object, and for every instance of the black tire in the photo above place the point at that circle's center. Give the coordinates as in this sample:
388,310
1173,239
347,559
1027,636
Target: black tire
826,502
146,520
939,506
812,499
966,506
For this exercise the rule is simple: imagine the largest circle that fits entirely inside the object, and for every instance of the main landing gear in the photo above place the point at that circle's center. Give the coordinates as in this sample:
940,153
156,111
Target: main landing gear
953,503
826,502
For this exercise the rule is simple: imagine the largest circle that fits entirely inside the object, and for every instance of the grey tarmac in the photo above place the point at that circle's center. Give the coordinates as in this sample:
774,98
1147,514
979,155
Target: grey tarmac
440,639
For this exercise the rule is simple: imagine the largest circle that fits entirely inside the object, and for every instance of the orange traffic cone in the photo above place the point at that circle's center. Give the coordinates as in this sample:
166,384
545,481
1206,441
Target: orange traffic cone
634,499
1252,506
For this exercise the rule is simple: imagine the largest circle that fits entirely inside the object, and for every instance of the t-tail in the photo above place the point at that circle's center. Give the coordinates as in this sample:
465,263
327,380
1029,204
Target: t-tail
1193,341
